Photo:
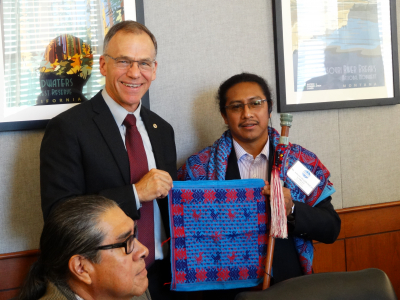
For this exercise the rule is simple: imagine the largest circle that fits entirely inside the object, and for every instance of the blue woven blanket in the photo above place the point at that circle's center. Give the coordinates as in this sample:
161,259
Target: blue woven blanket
218,234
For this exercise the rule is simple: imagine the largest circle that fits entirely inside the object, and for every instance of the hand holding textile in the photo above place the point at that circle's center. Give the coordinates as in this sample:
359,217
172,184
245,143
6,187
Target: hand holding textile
286,194
154,185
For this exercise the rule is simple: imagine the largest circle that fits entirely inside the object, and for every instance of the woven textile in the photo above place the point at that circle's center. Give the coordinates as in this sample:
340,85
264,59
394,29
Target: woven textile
211,164
218,234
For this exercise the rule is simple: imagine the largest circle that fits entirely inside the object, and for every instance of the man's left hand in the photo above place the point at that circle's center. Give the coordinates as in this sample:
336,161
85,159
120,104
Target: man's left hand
286,194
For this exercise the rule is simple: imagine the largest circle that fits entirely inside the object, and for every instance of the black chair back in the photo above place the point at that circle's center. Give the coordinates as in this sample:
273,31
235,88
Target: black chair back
368,284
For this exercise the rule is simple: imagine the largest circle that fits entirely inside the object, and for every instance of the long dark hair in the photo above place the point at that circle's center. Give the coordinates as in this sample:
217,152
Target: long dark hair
239,78
70,229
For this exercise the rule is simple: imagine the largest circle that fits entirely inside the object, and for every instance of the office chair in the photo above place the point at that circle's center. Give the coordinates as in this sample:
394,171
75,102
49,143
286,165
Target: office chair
368,284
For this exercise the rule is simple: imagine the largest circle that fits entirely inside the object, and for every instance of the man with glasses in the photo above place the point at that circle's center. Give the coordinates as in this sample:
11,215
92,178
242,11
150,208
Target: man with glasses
246,150
88,250
115,147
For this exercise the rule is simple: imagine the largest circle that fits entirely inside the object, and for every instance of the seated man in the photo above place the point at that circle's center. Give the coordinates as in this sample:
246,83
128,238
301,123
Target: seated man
88,251
246,150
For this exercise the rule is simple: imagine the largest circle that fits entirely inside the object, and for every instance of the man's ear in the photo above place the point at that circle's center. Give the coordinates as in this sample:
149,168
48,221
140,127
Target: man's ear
103,65
225,118
81,268
154,73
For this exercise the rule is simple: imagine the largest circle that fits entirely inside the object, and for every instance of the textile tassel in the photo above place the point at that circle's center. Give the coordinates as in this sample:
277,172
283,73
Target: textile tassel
278,210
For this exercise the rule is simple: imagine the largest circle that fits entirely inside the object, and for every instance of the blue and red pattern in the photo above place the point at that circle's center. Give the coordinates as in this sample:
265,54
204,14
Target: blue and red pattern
218,234
211,164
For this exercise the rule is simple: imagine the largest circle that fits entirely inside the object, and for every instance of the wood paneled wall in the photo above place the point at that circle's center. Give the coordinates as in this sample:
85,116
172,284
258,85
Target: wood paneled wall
13,269
370,238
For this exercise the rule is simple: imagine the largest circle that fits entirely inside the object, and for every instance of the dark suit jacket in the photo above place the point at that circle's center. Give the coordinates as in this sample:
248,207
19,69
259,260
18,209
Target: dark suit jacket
320,223
83,153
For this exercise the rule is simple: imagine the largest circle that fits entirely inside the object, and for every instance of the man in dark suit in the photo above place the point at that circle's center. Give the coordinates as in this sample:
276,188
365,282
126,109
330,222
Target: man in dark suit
247,150
90,149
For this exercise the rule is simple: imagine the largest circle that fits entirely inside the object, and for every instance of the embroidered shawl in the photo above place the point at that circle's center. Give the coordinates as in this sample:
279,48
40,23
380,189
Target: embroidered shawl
211,164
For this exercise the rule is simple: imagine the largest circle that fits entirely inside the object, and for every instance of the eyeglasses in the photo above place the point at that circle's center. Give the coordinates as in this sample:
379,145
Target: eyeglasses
124,63
252,105
127,244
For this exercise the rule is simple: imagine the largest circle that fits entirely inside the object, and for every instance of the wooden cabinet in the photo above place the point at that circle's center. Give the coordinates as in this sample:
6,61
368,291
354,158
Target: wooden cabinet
370,238
13,269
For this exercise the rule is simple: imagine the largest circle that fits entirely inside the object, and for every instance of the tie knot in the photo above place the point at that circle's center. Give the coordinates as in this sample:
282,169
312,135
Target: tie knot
130,120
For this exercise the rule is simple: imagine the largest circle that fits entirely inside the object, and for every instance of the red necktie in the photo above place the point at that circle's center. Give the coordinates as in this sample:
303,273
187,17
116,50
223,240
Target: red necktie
138,168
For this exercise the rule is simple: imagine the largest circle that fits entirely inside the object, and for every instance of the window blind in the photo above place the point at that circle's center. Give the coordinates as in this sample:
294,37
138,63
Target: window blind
28,26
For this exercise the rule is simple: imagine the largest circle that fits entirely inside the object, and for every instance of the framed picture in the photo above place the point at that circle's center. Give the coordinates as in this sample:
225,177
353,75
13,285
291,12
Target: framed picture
49,55
335,54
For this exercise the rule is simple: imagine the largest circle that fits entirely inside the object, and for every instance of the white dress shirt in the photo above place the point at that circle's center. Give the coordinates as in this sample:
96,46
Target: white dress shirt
119,113
250,167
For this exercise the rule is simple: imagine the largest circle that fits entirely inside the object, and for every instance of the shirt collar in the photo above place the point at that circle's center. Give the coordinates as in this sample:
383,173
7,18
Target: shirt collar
78,298
119,113
241,153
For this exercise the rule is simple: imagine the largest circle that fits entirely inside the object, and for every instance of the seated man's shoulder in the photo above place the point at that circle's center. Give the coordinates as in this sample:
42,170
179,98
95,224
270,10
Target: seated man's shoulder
56,293
145,296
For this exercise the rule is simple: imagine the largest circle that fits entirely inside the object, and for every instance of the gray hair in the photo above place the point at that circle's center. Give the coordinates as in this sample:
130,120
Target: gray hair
71,229
129,27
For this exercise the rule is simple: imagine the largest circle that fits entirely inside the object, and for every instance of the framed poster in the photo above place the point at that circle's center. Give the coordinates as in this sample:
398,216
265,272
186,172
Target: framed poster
335,54
49,55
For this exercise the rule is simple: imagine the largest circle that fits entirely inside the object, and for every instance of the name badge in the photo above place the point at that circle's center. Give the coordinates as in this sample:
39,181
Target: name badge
303,178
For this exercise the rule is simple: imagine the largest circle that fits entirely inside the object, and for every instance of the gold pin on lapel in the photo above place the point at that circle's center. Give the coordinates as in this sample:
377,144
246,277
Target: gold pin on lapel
155,125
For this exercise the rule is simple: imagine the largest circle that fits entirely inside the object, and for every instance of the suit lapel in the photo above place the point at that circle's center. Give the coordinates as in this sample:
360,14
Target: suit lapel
154,135
232,170
154,132
111,134
271,158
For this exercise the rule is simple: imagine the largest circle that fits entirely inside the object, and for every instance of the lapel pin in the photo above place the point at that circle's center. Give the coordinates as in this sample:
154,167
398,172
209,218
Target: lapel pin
155,125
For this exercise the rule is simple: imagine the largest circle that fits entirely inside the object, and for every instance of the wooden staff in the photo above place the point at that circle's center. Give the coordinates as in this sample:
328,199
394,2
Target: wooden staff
286,123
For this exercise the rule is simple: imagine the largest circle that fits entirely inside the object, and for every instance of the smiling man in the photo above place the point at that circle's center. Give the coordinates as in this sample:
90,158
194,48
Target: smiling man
115,147
246,150
88,250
